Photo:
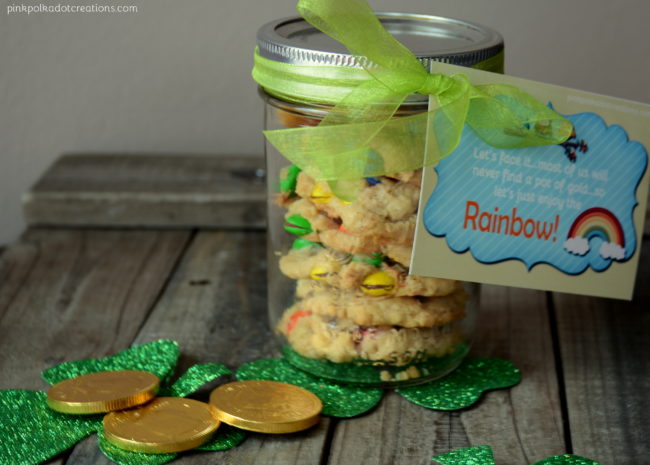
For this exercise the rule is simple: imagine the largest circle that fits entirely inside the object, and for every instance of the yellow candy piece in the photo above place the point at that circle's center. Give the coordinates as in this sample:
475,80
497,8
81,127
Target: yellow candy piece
378,284
319,273
320,195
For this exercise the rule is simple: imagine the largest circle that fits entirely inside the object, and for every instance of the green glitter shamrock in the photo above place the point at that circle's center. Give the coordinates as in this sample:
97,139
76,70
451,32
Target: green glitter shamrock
459,389
33,433
482,455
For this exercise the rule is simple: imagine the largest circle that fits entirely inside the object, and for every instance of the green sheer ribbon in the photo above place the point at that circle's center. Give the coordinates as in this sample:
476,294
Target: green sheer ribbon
362,135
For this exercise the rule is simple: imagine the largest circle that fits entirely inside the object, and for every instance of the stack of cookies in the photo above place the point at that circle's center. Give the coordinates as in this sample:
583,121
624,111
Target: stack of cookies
354,299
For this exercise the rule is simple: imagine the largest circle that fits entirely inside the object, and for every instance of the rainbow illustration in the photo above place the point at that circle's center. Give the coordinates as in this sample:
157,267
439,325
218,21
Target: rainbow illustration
596,222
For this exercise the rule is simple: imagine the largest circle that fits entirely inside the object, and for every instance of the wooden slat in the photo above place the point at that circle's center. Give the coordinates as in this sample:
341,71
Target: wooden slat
605,346
522,424
67,295
154,191
215,307
15,265
396,432
149,190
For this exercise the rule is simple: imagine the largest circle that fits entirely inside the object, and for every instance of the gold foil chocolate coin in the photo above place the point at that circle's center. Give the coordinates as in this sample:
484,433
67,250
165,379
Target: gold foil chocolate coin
164,425
266,406
104,391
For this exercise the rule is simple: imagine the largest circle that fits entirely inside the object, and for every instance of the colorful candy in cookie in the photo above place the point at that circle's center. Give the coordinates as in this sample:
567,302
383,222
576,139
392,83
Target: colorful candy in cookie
321,273
288,179
319,194
293,320
302,243
381,214
374,259
387,201
345,271
340,340
377,284
354,299
318,222
298,225
390,310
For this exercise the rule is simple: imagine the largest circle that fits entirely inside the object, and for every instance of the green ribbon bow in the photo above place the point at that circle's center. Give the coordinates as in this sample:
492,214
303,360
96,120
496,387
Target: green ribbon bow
361,136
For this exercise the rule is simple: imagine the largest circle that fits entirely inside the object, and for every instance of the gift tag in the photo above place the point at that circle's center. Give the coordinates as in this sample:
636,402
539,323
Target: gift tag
566,217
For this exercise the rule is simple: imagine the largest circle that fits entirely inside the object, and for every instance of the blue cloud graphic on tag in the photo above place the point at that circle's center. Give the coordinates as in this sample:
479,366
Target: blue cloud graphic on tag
569,205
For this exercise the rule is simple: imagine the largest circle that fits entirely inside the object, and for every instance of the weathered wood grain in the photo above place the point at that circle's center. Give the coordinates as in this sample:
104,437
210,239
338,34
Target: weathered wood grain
522,424
396,432
605,345
215,307
149,190
67,295
15,265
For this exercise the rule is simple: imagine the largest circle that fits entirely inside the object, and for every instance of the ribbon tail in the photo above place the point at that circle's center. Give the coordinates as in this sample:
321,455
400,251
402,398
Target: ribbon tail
446,122
359,150
507,117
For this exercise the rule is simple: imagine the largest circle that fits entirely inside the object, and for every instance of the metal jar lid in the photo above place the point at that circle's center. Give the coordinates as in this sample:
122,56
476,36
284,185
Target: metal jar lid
430,38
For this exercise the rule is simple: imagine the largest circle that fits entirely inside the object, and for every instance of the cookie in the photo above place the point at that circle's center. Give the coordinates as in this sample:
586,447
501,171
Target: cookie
332,233
324,264
351,243
340,340
346,271
413,177
288,177
377,204
398,253
318,222
407,312
354,299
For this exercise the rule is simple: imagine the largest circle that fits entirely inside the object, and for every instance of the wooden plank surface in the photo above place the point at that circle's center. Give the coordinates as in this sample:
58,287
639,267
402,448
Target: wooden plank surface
154,191
215,307
522,424
77,294
149,190
604,346
67,294
70,294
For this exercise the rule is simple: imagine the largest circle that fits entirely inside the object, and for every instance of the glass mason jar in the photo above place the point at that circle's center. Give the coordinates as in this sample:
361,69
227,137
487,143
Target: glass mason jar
340,299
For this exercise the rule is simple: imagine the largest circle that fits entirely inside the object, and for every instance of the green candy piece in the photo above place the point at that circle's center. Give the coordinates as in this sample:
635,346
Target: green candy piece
298,225
288,182
301,243
375,259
